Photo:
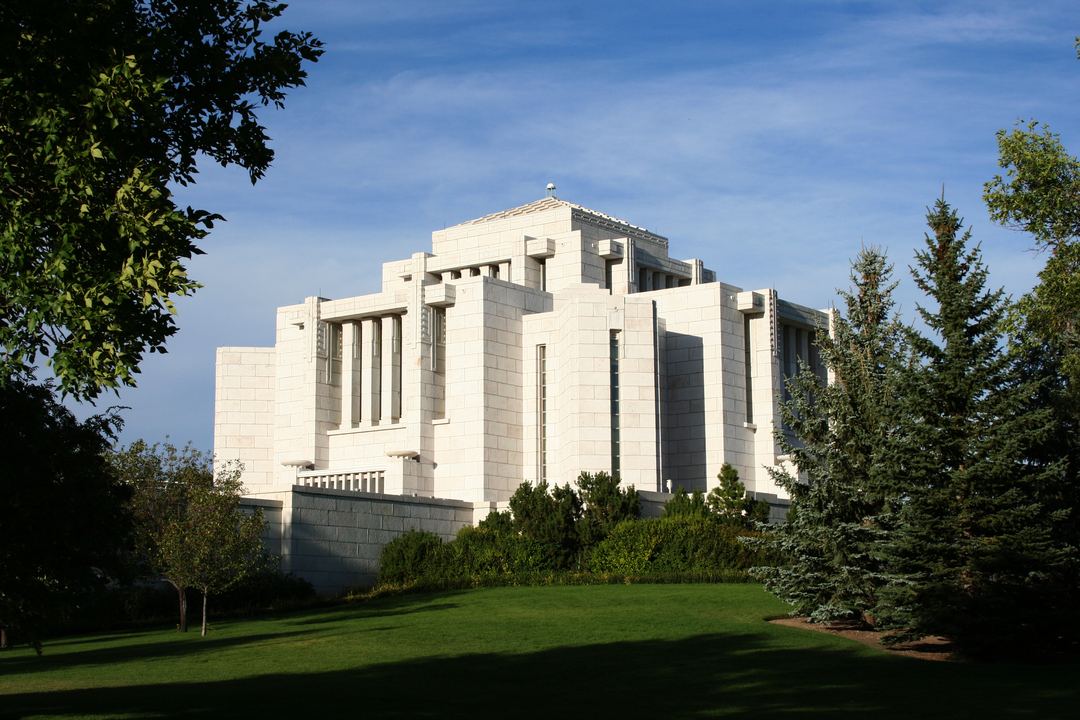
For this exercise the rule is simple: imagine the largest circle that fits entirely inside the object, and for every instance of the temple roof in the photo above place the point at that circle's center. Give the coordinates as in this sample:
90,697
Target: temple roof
550,203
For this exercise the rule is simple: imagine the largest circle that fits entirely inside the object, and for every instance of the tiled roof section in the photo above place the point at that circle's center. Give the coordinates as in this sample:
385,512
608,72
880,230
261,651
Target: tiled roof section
550,203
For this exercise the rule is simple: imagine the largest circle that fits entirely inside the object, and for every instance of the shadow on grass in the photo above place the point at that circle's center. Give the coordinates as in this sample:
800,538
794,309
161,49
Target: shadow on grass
189,644
733,675
337,615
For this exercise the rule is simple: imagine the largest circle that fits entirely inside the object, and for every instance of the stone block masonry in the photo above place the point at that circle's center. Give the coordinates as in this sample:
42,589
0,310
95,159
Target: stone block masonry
333,538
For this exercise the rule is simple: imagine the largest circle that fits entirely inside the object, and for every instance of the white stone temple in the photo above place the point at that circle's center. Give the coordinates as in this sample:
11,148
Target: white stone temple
529,345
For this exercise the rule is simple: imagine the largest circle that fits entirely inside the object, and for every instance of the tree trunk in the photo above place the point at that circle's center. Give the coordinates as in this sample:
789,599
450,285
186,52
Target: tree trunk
183,607
204,612
3,637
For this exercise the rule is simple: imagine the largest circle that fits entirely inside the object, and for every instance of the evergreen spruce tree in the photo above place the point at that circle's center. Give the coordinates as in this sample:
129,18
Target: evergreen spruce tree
970,555
844,448
730,501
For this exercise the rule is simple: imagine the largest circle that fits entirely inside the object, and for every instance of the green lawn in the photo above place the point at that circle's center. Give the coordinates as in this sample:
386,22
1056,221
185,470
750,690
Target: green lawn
609,651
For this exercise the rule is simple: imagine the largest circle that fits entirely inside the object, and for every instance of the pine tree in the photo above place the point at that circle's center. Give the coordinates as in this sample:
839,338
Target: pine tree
730,501
969,557
844,447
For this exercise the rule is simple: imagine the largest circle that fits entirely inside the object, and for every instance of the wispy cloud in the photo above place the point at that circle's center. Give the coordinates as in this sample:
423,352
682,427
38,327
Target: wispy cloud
768,141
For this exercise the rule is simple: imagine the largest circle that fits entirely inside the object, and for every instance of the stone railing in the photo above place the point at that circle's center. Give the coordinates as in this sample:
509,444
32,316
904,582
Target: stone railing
370,480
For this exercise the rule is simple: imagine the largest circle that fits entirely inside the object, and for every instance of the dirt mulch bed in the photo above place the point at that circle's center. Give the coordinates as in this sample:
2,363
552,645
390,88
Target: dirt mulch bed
930,648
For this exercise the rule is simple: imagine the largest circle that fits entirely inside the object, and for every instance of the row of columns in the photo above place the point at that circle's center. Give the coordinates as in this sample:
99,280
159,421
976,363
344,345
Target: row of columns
499,270
371,371
652,280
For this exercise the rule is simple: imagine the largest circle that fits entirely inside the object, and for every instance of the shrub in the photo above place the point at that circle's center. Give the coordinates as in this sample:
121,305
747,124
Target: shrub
686,504
409,557
605,506
728,502
679,544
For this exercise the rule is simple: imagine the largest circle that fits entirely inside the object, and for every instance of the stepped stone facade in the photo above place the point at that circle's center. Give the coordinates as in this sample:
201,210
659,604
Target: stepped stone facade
528,346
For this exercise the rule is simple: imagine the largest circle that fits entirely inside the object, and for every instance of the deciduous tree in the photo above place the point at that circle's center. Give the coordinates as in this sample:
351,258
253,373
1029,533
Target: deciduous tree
104,106
63,525
160,478
213,544
1040,195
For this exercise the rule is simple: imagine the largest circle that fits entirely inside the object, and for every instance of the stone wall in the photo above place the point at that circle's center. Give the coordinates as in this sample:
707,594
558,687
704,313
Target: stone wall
333,538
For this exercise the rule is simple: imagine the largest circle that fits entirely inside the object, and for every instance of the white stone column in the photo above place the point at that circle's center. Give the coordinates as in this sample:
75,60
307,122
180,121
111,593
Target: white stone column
350,374
391,369
371,371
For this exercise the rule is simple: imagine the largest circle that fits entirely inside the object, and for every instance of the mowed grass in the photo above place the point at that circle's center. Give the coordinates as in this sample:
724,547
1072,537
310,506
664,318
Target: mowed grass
610,651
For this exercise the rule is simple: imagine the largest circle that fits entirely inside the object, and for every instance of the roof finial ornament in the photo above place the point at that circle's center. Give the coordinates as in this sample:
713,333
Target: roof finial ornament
551,190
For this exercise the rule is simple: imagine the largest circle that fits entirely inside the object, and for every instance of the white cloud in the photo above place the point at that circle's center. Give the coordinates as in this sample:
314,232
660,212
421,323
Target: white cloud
771,160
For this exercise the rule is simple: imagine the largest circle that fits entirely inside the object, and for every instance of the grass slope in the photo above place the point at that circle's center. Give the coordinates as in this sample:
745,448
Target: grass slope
655,651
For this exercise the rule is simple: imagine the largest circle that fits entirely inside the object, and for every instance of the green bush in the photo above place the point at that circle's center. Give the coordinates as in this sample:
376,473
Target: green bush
728,502
409,557
556,536
678,544
686,504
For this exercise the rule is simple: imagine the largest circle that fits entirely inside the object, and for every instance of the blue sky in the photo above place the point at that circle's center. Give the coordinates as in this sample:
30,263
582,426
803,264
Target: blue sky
768,139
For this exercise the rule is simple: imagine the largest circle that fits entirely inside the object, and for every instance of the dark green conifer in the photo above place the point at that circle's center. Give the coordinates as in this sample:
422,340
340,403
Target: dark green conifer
971,554
843,457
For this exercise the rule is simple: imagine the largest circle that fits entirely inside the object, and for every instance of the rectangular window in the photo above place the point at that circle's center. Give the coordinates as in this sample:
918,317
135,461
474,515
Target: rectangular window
438,339
395,367
334,364
748,358
543,274
541,412
438,362
615,439
787,355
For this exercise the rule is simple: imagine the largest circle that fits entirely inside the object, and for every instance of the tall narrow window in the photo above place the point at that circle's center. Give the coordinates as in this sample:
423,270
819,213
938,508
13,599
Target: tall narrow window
787,354
609,272
541,412
543,274
438,362
615,440
395,368
748,358
335,354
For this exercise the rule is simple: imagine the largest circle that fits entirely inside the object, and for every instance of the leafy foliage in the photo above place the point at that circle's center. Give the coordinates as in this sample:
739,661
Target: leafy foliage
680,543
213,544
63,523
546,530
845,431
103,103
1040,194
190,528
